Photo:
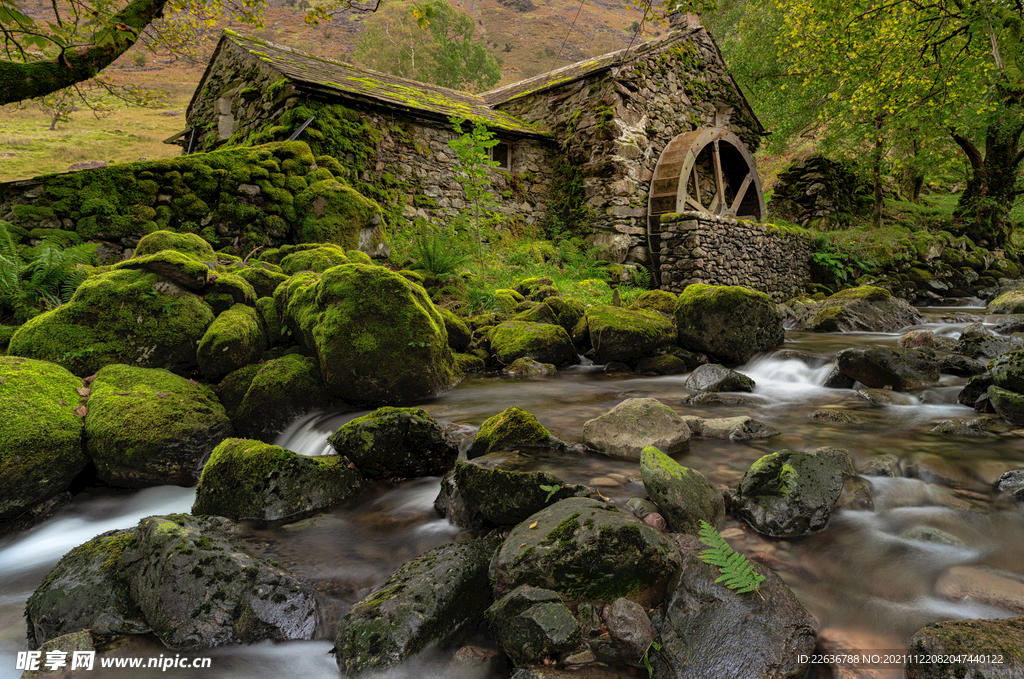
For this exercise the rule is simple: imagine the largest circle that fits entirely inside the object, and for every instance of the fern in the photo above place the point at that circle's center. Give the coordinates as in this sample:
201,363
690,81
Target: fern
737,572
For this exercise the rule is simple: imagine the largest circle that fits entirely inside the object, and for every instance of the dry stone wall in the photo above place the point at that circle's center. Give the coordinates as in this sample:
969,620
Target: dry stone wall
698,248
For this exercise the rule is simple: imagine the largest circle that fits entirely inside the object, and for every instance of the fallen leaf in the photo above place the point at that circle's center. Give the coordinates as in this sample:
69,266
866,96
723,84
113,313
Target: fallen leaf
81,411
84,391
533,525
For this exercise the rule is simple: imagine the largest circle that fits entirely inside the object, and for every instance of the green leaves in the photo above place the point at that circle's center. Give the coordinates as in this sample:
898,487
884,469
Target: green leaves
738,573
551,491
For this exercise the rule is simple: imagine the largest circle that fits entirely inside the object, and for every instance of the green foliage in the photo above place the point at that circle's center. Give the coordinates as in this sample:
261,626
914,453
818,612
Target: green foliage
647,661
439,252
551,490
44,280
738,573
473,164
841,267
568,212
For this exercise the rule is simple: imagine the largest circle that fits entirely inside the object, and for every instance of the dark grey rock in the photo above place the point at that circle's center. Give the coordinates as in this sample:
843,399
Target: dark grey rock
901,369
684,496
716,378
531,624
396,442
985,639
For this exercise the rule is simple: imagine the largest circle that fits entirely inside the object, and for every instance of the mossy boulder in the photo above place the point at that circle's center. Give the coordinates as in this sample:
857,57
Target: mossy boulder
1011,302
82,591
278,393
1008,404
542,342
1008,371
247,480
715,378
270,319
40,433
396,442
684,496
335,213
878,367
197,588
424,602
234,339
656,300
6,332
528,286
633,425
503,497
533,625
459,334
567,312
151,427
974,649
263,281
770,634
378,338
226,291
787,494
120,316
511,428
664,364
187,243
527,366
732,323
318,259
173,266
864,309
510,300
627,335
586,549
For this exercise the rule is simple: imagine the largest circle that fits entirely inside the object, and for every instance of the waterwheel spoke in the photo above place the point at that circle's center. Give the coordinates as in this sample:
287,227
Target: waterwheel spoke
719,179
741,192
693,198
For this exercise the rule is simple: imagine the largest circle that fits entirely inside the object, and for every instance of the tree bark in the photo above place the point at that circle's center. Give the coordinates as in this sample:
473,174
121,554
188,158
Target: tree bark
876,173
26,80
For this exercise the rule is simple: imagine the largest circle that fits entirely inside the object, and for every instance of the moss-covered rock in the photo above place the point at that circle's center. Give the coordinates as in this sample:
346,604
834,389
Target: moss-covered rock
901,369
540,341
270,319
503,497
232,388
318,259
82,591
533,625
276,394
40,433
684,496
527,286
234,339
186,243
6,332
425,601
973,649
715,378
1008,404
459,334
468,363
511,428
664,364
527,366
121,316
197,588
1008,371
510,300
586,549
228,290
656,300
335,213
633,425
151,427
863,309
731,322
247,480
263,281
396,442
378,338
1011,302
173,266
627,335
567,312
787,494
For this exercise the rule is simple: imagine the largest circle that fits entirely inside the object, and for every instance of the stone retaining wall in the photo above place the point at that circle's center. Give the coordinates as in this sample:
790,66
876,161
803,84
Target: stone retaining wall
698,248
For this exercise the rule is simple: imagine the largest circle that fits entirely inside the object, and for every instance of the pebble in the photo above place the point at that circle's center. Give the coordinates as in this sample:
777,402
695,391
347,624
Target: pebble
603,482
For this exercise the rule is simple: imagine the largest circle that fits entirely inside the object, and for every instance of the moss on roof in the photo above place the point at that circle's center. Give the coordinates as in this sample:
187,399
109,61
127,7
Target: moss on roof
336,78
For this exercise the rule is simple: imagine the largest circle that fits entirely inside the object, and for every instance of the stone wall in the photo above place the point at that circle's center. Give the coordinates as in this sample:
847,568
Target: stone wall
615,125
698,248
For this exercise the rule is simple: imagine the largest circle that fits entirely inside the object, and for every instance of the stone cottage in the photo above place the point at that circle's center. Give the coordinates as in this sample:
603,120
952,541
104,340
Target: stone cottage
607,144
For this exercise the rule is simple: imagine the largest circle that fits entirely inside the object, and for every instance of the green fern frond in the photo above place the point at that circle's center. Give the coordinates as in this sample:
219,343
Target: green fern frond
8,250
738,573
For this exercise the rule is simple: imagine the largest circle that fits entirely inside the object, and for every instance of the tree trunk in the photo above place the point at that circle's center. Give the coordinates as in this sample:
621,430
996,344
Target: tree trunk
20,81
876,173
985,204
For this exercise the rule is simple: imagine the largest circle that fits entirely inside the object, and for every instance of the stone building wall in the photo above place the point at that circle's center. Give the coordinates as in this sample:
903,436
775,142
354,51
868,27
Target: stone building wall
615,125
698,248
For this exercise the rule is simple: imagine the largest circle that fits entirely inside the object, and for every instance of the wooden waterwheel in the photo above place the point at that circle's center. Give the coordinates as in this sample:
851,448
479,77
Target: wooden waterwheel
707,171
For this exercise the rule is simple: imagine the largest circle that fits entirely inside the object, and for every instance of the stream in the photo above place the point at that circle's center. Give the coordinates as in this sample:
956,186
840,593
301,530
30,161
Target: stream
868,578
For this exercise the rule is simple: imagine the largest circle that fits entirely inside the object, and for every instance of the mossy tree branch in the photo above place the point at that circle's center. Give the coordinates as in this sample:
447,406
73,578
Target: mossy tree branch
25,80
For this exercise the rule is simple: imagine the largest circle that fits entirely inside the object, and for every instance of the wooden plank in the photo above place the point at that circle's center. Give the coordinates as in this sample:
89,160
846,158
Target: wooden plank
741,192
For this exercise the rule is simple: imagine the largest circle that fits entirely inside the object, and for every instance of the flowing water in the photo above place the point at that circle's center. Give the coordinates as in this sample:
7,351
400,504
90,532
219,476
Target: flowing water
869,578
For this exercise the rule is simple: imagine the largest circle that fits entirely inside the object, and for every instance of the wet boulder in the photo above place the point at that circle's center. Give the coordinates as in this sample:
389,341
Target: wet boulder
585,549
528,366
787,494
248,480
83,591
877,367
684,496
425,601
151,427
459,334
1008,404
543,342
627,335
977,341
41,448
1008,371
960,366
915,339
769,633
664,364
511,428
739,428
197,589
1010,325
633,425
532,624
997,647
975,390
715,378
864,309
503,497
396,442
276,394
732,323
1010,302
122,316
234,339
67,645
1012,483
377,337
